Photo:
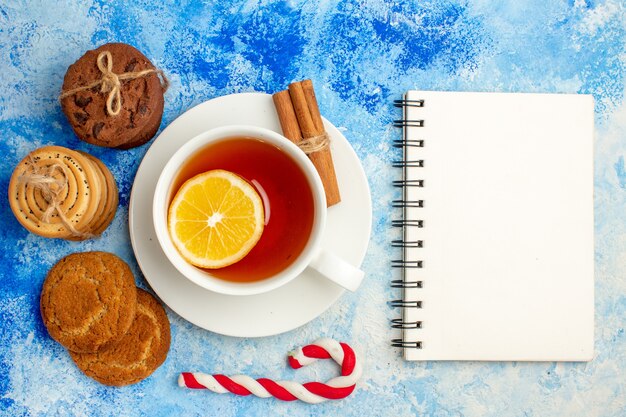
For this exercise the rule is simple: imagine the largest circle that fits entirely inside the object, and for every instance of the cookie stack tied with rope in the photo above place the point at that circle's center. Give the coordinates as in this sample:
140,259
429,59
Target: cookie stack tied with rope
56,192
113,97
116,333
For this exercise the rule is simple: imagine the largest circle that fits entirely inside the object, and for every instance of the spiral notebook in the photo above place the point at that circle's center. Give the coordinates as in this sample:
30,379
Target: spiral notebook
497,218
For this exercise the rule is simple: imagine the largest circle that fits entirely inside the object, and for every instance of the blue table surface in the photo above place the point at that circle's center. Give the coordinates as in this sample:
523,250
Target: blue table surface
361,55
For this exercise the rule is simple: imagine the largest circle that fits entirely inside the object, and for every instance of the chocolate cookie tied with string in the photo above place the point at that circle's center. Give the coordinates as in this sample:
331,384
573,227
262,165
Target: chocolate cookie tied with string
113,97
56,192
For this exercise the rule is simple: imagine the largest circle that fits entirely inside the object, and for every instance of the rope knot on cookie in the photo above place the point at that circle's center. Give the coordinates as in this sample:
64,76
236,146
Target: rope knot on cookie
52,189
111,83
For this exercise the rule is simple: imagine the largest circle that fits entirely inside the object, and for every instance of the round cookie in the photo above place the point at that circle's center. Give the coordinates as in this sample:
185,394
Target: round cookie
138,354
110,197
142,99
103,194
95,186
88,300
63,173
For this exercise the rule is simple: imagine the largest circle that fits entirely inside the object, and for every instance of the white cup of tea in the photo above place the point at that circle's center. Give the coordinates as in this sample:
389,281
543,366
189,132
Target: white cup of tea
295,212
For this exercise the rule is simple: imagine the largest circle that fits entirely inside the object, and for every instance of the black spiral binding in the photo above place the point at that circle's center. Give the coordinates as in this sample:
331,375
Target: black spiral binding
404,204
417,143
407,223
407,243
399,283
406,344
418,163
399,324
408,203
408,123
408,183
408,103
406,303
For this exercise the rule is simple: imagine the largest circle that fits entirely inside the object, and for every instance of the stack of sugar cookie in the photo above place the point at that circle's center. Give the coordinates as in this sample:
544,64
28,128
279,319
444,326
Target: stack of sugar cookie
116,333
60,193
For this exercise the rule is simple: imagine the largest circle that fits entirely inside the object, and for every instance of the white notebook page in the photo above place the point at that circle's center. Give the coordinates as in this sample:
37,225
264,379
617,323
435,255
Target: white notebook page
508,227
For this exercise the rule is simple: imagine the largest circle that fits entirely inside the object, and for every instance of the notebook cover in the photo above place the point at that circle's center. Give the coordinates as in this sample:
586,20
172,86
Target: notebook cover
507,260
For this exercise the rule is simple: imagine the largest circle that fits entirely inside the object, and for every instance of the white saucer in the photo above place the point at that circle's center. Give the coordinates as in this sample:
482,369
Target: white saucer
303,299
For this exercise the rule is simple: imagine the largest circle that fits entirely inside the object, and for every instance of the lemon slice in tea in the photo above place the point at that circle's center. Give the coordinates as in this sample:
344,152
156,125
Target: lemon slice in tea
215,219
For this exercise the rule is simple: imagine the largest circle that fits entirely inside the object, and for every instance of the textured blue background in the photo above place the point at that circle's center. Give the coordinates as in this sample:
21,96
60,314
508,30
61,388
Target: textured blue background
361,55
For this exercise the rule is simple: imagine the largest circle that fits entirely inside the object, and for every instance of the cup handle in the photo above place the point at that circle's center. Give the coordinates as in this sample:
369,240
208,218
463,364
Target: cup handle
337,270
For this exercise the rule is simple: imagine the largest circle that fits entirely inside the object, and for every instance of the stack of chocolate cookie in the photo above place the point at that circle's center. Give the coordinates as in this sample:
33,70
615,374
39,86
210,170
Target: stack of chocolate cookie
116,333
60,193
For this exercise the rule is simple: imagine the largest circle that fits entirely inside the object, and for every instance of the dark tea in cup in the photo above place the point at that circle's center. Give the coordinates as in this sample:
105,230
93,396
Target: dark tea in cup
287,200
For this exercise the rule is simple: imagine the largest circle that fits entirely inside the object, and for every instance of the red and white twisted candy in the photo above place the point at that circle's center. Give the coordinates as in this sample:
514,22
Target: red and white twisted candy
310,392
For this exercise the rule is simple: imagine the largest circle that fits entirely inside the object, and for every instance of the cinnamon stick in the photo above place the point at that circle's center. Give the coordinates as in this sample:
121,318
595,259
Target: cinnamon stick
301,107
287,116
311,125
311,101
